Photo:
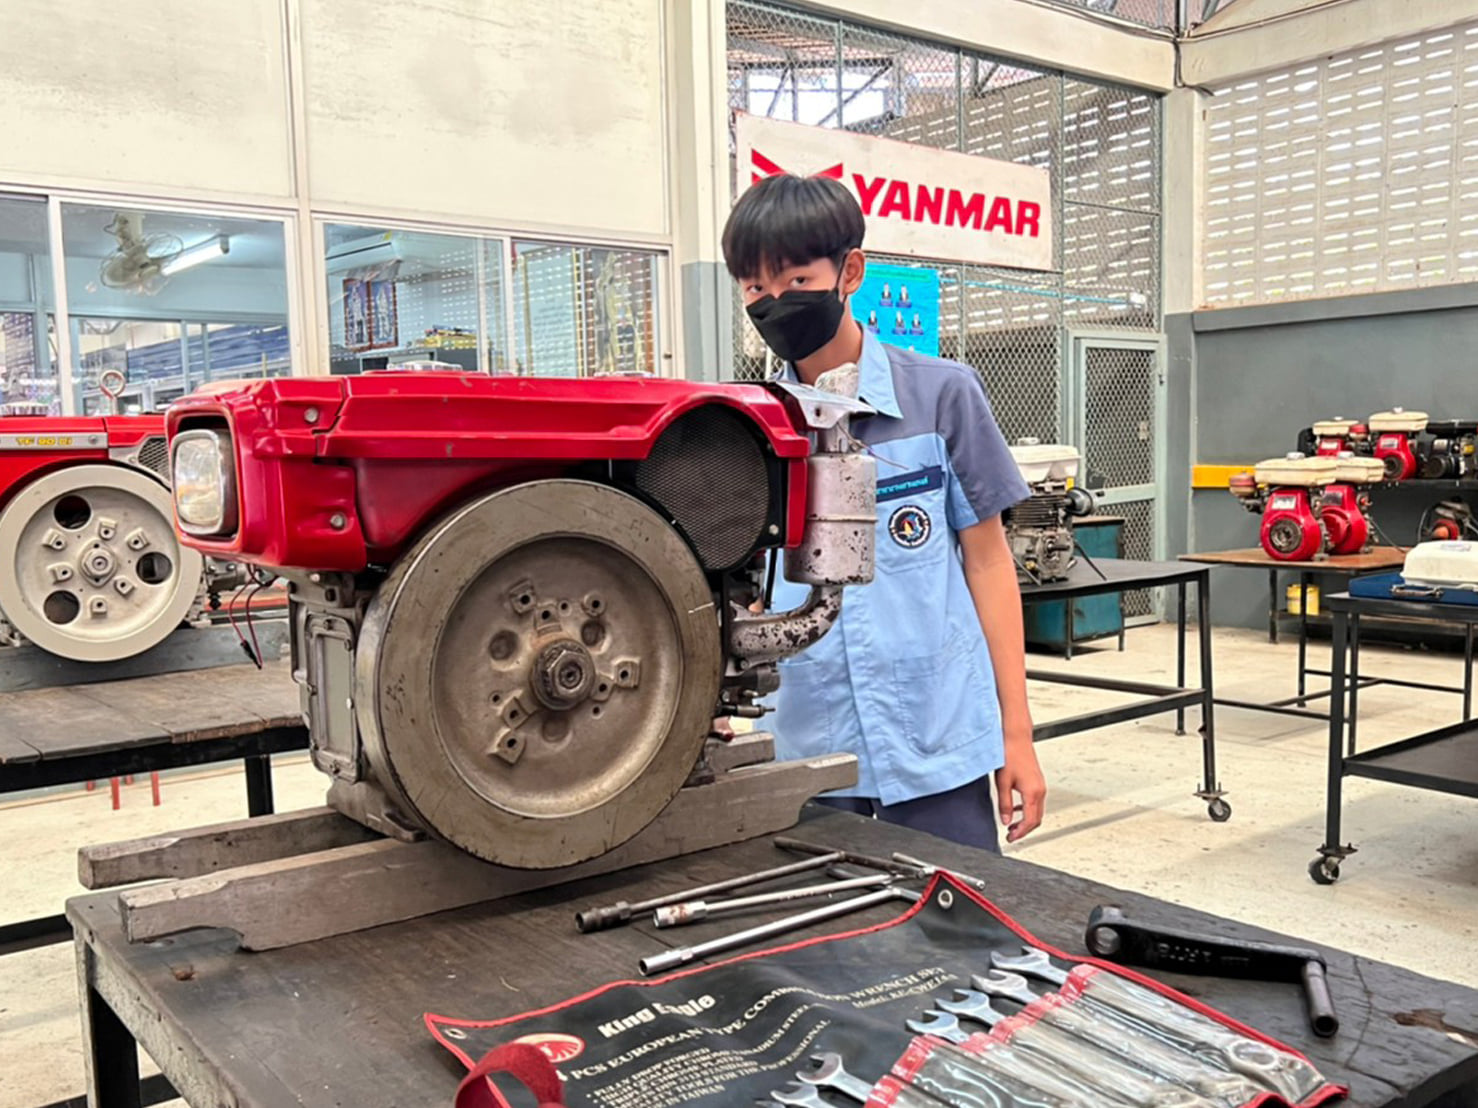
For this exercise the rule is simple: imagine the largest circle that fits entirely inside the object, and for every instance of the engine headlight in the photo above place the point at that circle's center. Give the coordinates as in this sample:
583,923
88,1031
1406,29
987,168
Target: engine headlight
203,477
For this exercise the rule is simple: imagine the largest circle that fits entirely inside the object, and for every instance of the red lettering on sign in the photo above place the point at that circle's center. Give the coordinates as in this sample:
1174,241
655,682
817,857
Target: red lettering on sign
960,212
928,203
1000,215
896,200
868,191
1028,215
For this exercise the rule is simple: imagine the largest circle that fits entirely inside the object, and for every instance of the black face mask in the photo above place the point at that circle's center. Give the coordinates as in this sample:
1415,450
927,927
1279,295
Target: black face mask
799,322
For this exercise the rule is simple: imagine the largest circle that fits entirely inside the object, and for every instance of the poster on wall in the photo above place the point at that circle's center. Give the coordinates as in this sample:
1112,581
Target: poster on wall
900,305
356,314
384,322
918,201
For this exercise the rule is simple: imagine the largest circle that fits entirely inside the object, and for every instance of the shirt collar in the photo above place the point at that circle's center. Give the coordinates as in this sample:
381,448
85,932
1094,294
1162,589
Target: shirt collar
875,377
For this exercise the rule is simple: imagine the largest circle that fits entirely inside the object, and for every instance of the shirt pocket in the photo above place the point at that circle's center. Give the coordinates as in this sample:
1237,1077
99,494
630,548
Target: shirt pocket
912,535
925,689
803,717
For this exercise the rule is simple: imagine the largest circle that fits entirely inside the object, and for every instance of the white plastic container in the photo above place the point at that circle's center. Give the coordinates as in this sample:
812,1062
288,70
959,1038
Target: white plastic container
1398,421
1352,470
1452,564
1042,461
1296,471
1333,428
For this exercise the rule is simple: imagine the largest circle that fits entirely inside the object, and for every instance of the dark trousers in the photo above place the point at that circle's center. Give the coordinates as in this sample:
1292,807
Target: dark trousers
966,815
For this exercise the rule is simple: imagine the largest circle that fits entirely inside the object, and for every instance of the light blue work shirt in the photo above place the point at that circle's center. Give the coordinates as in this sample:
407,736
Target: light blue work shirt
904,679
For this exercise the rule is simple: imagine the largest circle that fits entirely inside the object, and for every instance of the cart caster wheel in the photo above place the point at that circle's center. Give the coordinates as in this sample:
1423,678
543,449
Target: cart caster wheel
1324,871
1219,810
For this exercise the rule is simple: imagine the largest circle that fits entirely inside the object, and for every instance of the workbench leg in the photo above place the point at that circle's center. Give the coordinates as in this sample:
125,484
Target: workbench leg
1303,636
1467,672
110,1053
1180,655
1273,606
259,785
1354,714
1211,787
1331,850
1071,630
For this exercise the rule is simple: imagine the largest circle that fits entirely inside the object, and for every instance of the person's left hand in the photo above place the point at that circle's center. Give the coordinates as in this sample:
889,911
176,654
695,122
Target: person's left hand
1021,790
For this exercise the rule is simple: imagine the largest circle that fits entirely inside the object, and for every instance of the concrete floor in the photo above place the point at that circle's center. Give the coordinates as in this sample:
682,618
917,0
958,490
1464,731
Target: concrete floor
1120,811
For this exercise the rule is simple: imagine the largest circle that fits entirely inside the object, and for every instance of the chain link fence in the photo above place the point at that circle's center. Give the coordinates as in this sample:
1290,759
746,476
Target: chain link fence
1159,14
1099,142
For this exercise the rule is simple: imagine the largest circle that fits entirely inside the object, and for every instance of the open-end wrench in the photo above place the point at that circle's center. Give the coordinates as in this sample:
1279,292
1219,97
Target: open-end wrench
830,1072
801,1096
1055,1045
1119,1038
1003,1058
1290,1077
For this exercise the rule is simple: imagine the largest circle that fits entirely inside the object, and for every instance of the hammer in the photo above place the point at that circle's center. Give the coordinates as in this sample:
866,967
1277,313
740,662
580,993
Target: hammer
1112,935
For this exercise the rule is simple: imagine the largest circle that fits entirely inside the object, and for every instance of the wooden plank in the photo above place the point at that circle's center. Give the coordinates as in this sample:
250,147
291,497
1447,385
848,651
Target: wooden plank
750,749
1255,557
296,900
249,1030
66,722
206,704
14,750
30,667
218,847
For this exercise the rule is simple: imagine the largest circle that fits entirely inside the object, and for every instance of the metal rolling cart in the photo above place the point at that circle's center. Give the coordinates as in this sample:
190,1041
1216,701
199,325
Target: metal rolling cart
1442,760
1349,566
1113,575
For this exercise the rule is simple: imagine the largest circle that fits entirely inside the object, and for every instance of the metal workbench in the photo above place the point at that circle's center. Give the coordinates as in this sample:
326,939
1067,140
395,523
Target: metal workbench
1442,760
80,733
1377,560
339,1021
1114,575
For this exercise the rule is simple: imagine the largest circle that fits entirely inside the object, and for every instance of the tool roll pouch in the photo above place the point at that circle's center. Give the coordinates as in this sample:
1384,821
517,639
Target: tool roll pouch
732,1033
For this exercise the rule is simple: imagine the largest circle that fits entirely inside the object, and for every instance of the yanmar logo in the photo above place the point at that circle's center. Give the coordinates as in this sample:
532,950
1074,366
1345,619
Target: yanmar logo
933,205
556,1047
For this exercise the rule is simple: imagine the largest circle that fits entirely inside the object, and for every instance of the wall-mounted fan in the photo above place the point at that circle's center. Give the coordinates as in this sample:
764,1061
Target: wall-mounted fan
138,264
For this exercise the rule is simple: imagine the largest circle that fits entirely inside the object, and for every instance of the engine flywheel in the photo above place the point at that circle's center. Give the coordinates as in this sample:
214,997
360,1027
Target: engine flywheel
536,677
90,567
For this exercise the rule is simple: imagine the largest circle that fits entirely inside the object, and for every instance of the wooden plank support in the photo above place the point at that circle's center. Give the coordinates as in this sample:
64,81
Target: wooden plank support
219,846
291,900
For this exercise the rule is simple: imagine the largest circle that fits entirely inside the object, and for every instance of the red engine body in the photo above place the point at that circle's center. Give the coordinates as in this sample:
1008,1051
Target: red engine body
31,446
1291,531
1342,511
1398,452
341,473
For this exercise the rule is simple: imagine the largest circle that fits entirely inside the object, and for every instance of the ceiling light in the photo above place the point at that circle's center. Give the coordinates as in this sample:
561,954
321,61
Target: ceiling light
192,256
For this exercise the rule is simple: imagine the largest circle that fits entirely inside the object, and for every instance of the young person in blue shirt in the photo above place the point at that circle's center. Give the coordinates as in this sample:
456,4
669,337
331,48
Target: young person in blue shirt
924,676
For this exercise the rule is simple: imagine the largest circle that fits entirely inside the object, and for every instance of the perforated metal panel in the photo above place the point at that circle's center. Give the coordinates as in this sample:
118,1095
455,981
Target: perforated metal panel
1352,173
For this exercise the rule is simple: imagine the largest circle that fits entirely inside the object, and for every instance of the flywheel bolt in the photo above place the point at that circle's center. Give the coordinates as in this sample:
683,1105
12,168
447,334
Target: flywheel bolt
563,674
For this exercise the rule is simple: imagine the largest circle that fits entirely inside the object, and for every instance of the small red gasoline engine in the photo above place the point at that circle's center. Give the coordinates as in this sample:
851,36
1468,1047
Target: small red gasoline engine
1333,437
1397,436
1311,507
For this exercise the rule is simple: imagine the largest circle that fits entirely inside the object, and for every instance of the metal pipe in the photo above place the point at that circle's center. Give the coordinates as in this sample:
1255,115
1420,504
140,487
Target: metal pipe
691,911
614,915
672,959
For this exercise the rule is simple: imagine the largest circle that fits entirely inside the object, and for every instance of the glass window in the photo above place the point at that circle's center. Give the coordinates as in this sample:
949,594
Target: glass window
174,299
397,297
400,297
584,310
28,376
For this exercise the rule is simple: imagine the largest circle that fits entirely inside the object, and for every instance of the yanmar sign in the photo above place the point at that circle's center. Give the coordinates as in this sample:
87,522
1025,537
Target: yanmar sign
919,202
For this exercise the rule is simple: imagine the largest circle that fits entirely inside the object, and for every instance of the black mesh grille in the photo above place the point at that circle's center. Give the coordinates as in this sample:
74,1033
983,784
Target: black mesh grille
1039,511
709,473
154,455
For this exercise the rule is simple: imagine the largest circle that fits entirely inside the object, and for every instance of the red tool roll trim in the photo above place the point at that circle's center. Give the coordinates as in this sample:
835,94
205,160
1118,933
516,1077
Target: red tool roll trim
523,1062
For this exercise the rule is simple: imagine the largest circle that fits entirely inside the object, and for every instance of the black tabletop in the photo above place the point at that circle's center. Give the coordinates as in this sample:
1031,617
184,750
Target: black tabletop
1433,610
1105,575
339,1021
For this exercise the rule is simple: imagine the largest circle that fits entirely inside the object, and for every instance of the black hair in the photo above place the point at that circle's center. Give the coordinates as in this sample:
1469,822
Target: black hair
786,220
